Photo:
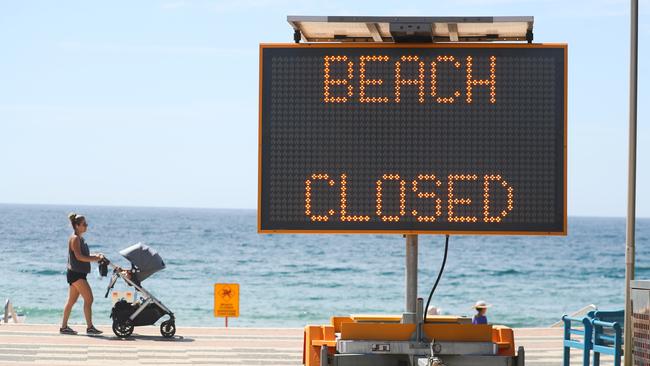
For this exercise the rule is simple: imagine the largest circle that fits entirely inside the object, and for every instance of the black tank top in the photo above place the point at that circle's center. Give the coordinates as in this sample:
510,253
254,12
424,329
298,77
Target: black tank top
75,264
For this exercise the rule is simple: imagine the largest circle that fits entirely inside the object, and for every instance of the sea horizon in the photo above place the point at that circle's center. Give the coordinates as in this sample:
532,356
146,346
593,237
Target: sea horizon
73,206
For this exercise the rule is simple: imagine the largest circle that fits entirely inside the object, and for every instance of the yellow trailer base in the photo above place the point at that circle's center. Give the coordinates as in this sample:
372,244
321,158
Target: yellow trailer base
384,341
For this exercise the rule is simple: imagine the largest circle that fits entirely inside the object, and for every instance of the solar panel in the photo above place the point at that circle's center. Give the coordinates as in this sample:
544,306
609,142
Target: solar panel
411,29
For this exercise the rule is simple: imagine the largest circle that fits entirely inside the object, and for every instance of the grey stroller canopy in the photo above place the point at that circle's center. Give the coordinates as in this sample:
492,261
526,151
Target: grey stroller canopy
144,259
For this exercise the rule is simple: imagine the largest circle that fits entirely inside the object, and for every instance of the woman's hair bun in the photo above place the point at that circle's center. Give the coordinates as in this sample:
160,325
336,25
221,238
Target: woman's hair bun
75,219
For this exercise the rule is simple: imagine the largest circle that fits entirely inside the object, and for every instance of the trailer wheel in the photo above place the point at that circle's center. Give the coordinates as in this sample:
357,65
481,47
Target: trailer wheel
122,330
167,328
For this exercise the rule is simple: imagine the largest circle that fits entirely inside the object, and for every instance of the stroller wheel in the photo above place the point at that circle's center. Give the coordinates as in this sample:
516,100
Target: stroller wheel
167,328
122,330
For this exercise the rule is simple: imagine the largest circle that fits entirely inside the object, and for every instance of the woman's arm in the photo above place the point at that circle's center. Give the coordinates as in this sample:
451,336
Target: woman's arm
76,249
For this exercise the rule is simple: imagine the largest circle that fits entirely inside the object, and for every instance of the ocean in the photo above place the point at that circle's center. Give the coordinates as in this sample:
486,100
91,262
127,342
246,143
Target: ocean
293,280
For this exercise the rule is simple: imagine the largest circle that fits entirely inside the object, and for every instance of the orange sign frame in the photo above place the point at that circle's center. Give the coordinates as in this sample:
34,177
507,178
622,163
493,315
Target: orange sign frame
410,45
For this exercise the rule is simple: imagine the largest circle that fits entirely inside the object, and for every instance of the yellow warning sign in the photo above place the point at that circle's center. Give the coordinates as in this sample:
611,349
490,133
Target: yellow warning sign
226,300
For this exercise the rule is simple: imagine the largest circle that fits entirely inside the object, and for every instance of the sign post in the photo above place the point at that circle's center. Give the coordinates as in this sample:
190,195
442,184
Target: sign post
226,300
411,273
631,183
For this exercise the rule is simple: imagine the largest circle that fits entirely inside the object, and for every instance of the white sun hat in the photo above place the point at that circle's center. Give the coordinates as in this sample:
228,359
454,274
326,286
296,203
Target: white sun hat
481,304
434,310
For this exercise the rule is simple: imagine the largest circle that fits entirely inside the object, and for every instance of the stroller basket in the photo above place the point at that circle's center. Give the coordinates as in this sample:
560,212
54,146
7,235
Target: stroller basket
144,259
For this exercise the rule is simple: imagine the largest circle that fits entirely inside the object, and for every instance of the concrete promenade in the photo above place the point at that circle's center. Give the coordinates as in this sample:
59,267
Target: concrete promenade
42,345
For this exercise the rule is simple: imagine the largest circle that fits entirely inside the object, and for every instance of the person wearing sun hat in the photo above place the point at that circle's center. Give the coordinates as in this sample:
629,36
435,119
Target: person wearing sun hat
481,311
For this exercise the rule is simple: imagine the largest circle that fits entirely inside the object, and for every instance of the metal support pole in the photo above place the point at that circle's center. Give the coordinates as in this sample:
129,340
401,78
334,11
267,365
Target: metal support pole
631,180
419,316
411,273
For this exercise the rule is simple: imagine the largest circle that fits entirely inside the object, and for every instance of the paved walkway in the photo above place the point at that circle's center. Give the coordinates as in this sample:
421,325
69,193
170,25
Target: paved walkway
42,345
543,347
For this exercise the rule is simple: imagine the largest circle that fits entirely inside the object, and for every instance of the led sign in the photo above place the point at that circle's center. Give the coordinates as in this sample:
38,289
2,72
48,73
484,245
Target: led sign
436,138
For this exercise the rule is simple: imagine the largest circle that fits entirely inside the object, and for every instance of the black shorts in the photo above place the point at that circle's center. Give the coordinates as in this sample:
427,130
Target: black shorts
73,276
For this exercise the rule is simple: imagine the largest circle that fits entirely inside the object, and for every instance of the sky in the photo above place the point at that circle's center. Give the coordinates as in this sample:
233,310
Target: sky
155,103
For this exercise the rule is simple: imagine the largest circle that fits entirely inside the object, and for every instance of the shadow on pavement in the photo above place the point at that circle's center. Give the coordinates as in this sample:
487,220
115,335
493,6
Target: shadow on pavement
135,337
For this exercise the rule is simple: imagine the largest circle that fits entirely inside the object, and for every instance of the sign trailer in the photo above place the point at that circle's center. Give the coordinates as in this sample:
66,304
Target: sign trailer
392,125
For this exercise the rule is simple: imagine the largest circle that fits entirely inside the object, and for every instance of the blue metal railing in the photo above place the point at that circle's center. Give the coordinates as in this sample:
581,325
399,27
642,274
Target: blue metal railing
585,345
608,335
601,332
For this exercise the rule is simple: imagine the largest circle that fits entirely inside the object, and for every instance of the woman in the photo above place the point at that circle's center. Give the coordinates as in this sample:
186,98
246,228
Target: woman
79,259
481,308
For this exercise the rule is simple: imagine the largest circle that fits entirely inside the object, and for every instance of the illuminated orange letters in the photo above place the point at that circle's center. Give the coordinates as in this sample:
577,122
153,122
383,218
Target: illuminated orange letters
486,198
438,201
456,201
419,81
328,81
452,202
308,182
363,82
491,81
344,194
402,197
434,75
400,82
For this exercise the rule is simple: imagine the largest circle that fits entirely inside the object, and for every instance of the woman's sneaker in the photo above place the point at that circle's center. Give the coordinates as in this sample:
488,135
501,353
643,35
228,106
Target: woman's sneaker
67,330
93,331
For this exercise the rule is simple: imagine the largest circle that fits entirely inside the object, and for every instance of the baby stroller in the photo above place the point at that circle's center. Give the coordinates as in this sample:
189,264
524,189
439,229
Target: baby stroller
147,310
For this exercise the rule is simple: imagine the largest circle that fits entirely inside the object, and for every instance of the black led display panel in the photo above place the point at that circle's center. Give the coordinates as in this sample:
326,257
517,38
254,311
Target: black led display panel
439,138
